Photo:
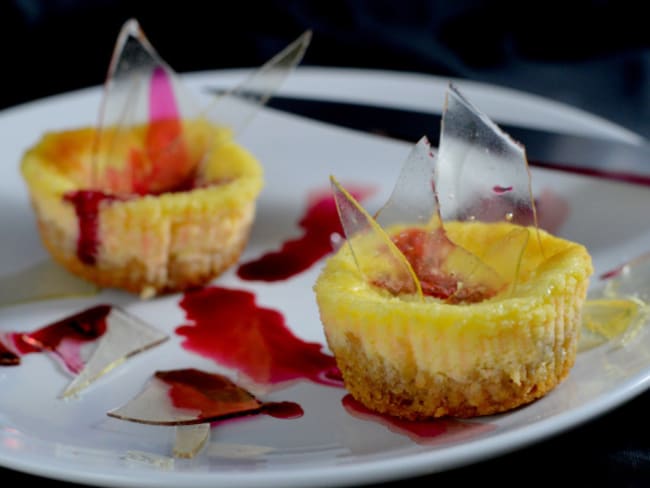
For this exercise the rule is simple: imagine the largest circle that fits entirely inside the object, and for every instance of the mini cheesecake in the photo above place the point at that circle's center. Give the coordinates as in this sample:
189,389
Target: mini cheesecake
424,357
181,227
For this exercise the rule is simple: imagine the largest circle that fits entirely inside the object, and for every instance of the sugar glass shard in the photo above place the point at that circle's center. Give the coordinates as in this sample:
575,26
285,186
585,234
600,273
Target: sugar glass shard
610,319
143,144
125,336
235,108
632,279
444,269
482,174
140,146
619,309
413,200
67,340
42,281
379,261
190,439
185,397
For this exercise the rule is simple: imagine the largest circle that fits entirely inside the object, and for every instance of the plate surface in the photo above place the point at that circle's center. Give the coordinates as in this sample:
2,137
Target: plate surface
76,441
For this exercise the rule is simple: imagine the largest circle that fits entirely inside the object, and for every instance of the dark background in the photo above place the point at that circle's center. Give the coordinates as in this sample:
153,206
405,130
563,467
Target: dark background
591,54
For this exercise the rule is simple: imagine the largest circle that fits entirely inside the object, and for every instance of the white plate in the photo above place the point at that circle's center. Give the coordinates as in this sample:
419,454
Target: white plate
77,442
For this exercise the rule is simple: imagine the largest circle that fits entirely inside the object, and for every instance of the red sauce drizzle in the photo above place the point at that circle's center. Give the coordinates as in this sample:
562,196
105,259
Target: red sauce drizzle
426,252
501,189
282,410
277,410
216,397
86,205
420,431
228,327
64,338
8,357
213,395
319,223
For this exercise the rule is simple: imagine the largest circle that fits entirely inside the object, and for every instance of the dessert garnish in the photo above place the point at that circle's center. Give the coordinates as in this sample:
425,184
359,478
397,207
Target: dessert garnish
480,174
191,399
87,344
615,312
142,91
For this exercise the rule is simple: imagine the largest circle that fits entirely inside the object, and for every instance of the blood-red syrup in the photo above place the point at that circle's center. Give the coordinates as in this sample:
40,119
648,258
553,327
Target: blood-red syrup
8,357
64,338
86,205
421,431
319,223
216,396
228,327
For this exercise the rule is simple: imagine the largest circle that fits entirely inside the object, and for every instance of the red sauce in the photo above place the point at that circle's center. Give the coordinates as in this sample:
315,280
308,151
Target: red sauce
213,395
216,397
282,410
86,205
420,431
415,245
499,190
320,222
427,252
278,410
8,357
228,327
64,338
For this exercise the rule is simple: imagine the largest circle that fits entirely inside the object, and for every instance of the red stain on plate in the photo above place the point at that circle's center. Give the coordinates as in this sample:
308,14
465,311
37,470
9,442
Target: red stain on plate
230,328
319,223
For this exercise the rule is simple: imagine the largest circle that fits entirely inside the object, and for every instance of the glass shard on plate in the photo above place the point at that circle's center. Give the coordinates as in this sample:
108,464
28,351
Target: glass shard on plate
185,397
125,336
618,310
190,439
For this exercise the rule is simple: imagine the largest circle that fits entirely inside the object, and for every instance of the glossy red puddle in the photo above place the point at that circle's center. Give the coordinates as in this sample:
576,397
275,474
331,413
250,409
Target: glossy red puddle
278,410
319,223
215,396
64,338
424,431
8,357
228,327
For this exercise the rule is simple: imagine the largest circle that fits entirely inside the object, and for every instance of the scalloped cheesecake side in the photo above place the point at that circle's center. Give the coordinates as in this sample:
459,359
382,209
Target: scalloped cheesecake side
423,359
